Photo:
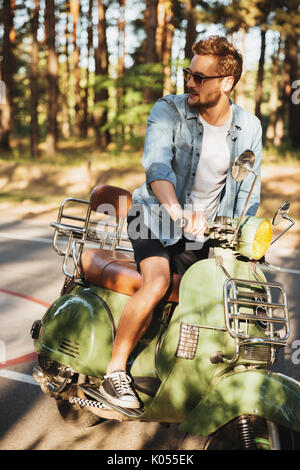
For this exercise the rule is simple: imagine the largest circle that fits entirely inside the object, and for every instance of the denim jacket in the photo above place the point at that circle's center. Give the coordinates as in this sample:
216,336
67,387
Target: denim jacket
172,151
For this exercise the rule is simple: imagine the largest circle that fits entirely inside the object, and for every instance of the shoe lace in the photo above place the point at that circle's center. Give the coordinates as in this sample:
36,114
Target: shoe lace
121,383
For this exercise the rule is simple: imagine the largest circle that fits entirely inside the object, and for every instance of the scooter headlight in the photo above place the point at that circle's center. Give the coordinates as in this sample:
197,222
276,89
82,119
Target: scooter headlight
255,237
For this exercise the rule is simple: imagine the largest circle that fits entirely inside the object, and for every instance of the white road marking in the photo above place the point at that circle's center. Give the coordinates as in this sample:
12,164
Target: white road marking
9,374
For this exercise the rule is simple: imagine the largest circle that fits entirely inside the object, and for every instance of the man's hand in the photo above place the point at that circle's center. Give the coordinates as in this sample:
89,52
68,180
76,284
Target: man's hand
195,222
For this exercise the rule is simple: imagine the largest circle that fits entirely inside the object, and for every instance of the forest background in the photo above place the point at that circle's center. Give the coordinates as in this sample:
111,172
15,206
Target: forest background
78,79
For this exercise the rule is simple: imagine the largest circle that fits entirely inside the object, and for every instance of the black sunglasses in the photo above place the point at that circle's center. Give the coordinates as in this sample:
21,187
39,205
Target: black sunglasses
198,77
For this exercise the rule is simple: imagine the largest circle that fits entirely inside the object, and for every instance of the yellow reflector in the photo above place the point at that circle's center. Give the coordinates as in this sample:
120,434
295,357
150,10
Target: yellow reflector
262,239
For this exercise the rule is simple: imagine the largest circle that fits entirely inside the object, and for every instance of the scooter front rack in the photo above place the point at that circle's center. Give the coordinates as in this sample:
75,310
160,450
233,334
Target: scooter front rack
247,301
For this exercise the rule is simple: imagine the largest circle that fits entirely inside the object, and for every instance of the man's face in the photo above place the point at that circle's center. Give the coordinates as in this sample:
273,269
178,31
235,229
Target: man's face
208,93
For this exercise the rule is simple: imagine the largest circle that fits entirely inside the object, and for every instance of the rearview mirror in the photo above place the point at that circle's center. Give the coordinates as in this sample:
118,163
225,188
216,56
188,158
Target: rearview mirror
242,165
281,213
241,168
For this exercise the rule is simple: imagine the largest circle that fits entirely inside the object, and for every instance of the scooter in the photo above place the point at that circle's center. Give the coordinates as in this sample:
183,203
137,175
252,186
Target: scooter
203,362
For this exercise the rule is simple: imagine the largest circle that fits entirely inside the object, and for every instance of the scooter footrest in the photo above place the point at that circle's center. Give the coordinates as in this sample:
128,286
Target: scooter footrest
95,393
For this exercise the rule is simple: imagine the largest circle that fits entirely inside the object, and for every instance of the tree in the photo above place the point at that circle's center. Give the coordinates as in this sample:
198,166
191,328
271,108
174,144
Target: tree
8,67
101,73
65,83
271,129
191,33
166,21
52,76
149,48
34,86
75,12
85,123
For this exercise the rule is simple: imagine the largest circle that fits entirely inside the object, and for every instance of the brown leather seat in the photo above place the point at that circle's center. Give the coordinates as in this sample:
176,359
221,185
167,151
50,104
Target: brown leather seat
117,272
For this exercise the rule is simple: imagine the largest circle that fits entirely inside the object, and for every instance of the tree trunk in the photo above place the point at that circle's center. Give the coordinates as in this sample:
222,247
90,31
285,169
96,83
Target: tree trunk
167,58
66,128
101,69
191,33
164,41
150,49
260,75
34,90
75,12
52,76
7,76
121,62
270,133
150,28
85,124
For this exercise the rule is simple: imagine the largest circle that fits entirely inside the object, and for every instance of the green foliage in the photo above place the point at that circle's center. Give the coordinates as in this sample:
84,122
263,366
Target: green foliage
127,114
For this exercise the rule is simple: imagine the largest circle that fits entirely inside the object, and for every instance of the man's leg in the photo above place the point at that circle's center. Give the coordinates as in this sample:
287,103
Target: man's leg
134,321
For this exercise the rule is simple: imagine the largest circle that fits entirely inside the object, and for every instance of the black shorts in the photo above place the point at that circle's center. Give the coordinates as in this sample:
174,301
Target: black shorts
179,257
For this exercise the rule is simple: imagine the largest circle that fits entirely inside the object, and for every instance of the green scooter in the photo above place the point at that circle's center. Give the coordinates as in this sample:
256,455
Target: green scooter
203,362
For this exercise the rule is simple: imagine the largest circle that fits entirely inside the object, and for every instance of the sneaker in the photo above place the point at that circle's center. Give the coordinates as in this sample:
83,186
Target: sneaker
117,389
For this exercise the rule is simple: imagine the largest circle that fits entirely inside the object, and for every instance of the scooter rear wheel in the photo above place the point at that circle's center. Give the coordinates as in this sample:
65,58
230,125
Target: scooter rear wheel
74,414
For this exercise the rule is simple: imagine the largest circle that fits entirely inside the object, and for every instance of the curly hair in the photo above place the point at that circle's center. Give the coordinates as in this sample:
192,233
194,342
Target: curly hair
230,59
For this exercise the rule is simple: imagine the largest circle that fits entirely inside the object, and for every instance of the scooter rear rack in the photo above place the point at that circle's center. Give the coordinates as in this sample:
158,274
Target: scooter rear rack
72,233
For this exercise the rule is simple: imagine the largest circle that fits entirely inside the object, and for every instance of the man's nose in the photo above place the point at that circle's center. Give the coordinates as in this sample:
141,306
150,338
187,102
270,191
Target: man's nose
189,83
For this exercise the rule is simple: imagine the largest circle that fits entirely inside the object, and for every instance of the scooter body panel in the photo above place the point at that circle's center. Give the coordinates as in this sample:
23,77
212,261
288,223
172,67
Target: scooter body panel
186,379
258,392
78,331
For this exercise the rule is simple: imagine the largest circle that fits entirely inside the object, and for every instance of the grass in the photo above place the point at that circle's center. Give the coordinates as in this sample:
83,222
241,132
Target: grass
282,155
79,164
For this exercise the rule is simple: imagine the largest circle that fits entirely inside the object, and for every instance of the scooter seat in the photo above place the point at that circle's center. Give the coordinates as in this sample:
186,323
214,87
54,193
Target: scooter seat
118,272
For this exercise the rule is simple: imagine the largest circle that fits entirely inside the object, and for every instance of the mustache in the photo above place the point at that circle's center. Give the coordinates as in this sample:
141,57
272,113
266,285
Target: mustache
192,90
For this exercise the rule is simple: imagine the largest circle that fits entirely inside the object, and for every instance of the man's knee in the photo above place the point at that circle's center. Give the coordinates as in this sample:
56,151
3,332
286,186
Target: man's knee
156,276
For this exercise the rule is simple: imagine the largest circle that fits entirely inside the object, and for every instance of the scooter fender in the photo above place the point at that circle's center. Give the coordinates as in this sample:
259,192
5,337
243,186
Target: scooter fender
259,392
78,330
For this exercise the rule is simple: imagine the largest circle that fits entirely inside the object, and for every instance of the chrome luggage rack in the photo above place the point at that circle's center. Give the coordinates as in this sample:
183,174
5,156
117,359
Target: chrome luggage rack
241,294
72,233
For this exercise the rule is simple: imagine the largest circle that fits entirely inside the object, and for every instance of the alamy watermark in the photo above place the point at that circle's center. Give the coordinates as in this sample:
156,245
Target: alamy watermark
296,93
295,358
154,223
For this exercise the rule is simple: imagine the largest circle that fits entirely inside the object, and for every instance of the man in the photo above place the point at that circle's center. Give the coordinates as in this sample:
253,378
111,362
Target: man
191,142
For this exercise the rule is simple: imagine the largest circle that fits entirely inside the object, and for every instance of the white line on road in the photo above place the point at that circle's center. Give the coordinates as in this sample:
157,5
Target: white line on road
9,374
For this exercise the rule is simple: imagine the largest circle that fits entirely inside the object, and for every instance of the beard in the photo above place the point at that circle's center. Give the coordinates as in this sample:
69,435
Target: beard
203,103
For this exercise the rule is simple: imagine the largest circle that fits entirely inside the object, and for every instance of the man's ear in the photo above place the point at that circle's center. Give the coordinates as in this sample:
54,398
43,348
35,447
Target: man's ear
227,83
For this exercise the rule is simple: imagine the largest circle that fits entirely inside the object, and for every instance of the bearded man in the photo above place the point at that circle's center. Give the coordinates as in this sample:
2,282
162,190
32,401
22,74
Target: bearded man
190,145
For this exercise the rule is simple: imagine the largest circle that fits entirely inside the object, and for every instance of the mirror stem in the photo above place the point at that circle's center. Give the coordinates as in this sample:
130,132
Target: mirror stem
292,222
236,232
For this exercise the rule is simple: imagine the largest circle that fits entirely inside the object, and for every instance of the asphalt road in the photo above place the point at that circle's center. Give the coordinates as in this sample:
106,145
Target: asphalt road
29,419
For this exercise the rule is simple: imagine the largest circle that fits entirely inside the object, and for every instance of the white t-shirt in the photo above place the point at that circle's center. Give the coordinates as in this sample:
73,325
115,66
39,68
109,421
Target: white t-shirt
212,168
